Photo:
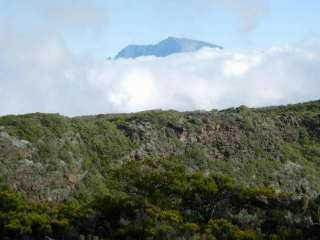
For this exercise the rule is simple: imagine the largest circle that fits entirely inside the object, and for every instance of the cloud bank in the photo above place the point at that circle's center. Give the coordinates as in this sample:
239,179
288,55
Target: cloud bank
39,73
42,75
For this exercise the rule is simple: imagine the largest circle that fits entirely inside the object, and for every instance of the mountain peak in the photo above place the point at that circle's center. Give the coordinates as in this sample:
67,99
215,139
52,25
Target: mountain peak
164,48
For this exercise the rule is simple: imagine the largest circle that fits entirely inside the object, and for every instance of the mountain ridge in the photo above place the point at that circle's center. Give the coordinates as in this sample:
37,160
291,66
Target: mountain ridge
240,174
164,48
49,156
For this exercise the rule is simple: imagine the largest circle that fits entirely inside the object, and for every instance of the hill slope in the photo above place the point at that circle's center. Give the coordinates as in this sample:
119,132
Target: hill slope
164,48
51,157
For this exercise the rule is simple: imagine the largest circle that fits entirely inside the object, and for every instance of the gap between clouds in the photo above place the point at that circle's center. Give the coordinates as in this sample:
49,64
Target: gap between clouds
44,76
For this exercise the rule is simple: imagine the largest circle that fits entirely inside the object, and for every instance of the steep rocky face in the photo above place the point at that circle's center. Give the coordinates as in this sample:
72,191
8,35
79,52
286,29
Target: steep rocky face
50,157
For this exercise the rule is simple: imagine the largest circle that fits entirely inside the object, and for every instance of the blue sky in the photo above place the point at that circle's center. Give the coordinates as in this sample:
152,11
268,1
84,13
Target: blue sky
54,55
122,22
286,21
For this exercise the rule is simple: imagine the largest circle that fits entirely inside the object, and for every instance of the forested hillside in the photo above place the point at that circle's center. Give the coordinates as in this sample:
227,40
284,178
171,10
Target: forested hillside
239,173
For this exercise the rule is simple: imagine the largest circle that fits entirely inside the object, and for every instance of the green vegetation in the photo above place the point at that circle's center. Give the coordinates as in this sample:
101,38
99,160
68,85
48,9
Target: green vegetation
239,173
155,199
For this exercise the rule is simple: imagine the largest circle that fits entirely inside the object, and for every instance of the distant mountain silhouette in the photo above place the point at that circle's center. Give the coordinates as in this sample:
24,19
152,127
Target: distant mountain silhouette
164,48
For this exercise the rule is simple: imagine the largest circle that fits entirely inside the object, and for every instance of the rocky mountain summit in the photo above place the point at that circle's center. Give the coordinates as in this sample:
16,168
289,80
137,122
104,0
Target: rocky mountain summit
51,157
166,47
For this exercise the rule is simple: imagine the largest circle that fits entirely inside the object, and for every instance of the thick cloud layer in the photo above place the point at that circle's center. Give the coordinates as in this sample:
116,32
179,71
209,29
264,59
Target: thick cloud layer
41,75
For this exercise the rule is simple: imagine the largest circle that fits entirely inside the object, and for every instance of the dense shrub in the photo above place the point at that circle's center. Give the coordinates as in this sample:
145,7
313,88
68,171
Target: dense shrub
160,199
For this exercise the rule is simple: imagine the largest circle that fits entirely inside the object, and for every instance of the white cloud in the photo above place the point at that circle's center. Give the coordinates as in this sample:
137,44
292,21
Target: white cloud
250,11
46,77
80,15
38,73
56,16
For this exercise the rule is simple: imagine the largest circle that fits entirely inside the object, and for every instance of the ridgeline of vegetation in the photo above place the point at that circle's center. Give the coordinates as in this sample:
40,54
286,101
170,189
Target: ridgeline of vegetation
233,174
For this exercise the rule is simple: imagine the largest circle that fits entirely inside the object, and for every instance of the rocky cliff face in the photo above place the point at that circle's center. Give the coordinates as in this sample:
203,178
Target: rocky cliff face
51,157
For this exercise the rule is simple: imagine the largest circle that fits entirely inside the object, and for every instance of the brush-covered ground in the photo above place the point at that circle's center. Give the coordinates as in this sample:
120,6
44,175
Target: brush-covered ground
239,173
